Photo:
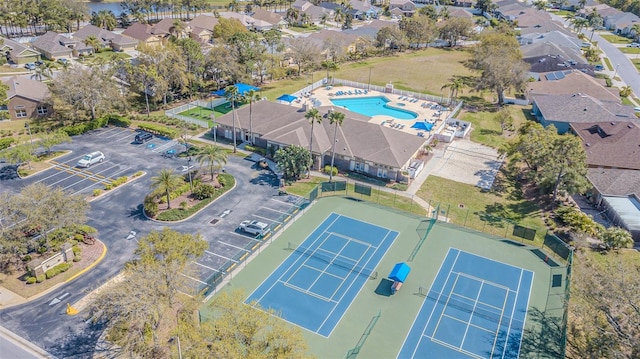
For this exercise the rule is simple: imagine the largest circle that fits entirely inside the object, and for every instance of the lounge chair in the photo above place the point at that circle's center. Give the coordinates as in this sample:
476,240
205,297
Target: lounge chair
366,92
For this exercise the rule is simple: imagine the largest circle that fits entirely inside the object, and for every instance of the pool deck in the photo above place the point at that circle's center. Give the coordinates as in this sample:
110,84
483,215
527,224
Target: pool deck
325,94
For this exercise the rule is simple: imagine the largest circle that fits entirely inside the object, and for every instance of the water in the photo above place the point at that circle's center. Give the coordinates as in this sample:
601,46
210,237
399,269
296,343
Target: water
115,7
374,106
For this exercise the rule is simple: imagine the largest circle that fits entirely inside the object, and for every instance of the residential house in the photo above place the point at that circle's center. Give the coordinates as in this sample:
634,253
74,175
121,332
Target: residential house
370,30
547,26
614,144
527,17
402,7
564,110
460,12
566,50
53,46
107,39
272,19
17,53
314,13
364,9
170,26
27,98
463,3
572,82
249,22
143,33
622,23
541,67
361,146
202,28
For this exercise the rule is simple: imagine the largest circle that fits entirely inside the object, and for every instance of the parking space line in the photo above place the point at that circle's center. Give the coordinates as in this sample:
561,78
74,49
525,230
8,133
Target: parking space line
115,133
107,132
267,219
128,135
197,280
218,255
243,236
202,265
275,210
279,201
231,245
162,147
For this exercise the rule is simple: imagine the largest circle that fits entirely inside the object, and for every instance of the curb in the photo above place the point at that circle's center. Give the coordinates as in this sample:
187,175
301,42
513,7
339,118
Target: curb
66,152
106,193
95,263
23,343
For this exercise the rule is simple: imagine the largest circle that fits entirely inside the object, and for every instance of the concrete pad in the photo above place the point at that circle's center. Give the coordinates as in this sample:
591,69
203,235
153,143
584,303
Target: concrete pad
468,162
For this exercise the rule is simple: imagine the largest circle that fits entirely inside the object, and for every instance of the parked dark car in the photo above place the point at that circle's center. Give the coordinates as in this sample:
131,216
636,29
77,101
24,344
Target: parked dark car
143,137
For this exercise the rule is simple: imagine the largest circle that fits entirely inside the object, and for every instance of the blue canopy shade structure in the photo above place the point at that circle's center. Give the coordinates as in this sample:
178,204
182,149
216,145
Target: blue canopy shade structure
399,272
423,126
242,89
287,98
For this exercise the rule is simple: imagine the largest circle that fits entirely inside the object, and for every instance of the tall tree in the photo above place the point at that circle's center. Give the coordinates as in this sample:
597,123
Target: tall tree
105,19
454,29
213,156
499,59
227,28
233,96
251,96
304,53
293,161
455,87
335,118
420,30
485,6
93,41
314,116
48,140
390,38
166,182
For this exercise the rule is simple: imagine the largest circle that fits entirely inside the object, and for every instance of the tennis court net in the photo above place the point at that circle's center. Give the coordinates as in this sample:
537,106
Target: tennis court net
468,306
346,264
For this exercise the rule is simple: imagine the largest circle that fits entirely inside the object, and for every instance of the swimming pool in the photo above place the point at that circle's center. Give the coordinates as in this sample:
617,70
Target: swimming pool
374,106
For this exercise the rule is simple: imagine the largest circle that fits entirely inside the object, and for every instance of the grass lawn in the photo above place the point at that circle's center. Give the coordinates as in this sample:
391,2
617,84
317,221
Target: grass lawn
607,62
106,55
12,70
275,89
468,205
404,70
389,199
486,130
626,101
629,50
303,29
615,39
200,113
563,13
636,63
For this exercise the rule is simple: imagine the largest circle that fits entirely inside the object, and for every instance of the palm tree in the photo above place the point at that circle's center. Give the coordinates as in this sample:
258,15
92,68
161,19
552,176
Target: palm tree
329,66
314,116
335,118
166,181
251,96
178,29
43,71
214,156
323,20
93,42
292,15
455,87
232,95
338,16
636,31
105,19
305,18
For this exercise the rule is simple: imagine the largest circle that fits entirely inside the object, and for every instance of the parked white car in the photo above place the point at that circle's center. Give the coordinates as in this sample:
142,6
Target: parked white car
253,227
91,159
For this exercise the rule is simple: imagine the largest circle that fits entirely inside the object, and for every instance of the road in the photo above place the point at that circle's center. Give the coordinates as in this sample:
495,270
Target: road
44,322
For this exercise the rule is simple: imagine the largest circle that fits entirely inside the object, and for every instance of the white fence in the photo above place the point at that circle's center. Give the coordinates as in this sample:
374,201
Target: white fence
419,96
175,112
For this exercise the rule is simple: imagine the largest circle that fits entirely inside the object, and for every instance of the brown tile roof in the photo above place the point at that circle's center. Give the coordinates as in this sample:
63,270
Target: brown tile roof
204,22
267,16
572,83
27,88
138,31
615,182
53,43
356,137
610,144
581,108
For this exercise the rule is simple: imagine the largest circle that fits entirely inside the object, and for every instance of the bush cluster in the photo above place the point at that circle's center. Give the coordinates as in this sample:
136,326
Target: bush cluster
80,128
6,142
60,268
258,150
327,170
159,129
166,120
150,206
203,191
117,182
31,280
117,120
177,214
76,249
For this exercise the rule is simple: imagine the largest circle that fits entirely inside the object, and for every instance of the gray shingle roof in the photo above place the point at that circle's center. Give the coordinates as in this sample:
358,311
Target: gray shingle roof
27,88
581,108
610,144
572,83
52,42
615,182
356,137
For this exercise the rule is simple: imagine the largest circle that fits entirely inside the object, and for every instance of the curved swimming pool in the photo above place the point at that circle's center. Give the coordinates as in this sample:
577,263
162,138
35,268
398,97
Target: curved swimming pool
374,106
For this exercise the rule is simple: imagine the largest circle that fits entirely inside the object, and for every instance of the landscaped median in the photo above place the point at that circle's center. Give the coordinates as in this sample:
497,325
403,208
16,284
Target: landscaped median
188,202
97,193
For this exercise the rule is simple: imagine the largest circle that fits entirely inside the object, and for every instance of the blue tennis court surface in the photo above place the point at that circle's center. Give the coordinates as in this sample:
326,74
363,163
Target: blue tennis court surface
476,308
314,286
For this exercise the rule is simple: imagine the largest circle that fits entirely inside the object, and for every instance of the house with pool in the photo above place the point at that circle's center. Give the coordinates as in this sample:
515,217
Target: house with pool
361,145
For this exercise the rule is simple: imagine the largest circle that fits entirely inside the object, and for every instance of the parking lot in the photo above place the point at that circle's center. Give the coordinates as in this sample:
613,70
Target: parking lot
256,197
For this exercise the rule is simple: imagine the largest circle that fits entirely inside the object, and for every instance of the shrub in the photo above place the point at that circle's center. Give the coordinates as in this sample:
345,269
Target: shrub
60,268
6,142
159,130
400,186
97,192
78,237
203,191
327,170
258,150
184,205
26,258
76,249
31,280
108,187
117,120
40,278
150,206
137,174
77,258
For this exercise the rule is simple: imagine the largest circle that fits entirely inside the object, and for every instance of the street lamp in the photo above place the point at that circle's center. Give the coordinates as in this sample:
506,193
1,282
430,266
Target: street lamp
189,170
615,72
26,125
369,83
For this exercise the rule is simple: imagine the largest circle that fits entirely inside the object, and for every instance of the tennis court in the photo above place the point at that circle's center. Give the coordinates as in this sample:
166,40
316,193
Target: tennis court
314,286
475,308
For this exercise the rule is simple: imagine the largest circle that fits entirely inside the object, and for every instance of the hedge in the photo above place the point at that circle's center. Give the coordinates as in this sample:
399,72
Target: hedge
78,129
159,129
60,268
117,120
6,142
